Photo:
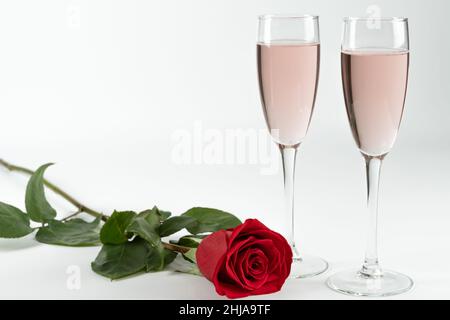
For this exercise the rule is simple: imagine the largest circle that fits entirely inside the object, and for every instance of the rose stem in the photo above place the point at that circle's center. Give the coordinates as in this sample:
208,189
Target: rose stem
176,248
81,207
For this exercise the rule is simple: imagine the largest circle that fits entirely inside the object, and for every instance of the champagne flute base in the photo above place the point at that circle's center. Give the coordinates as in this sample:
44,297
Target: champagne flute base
355,283
307,266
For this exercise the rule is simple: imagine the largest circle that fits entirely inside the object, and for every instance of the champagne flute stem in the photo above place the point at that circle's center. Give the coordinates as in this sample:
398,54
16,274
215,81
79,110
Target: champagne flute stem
288,154
371,265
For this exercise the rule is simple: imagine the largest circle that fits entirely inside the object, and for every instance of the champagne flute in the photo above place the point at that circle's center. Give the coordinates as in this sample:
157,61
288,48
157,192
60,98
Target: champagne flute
288,68
374,62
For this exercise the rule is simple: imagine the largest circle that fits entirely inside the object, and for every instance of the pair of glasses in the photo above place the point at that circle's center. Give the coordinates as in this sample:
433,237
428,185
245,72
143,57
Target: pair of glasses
374,65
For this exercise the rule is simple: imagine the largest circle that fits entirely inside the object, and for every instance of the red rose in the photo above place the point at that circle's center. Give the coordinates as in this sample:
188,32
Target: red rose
247,260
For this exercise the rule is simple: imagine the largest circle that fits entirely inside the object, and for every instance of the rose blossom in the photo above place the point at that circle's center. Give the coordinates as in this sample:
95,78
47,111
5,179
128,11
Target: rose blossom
247,260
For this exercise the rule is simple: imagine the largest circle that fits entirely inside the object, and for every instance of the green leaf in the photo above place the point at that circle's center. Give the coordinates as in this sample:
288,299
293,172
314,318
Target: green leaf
118,261
175,224
74,233
37,206
114,229
13,222
185,266
158,258
190,241
199,220
190,255
169,256
210,220
164,215
146,225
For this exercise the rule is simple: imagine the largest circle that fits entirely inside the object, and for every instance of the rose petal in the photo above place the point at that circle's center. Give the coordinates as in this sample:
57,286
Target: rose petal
284,250
233,292
248,280
269,287
230,290
255,260
211,251
271,251
258,264
250,226
240,273
232,255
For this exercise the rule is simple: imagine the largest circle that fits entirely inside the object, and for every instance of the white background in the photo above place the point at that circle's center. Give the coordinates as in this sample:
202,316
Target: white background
100,87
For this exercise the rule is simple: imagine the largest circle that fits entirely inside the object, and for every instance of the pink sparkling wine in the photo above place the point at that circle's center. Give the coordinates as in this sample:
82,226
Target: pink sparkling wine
288,77
375,89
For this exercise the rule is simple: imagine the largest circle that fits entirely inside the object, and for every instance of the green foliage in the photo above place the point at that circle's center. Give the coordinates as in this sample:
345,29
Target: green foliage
13,222
146,225
210,220
75,233
37,205
115,229
189,241
121,260
175,224
131,242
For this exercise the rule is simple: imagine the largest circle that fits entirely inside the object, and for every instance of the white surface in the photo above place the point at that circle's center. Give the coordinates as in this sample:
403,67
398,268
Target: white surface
414,223
103,98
